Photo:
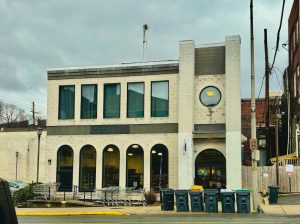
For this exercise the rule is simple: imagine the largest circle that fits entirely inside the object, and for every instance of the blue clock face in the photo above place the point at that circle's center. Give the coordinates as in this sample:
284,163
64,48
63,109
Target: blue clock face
210,96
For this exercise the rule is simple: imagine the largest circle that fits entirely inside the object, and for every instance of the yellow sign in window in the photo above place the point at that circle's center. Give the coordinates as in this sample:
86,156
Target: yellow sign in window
210,93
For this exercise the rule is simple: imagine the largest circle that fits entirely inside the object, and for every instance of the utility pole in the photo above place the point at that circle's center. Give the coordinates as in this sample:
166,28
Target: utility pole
267,101
253,115
277,147
33,114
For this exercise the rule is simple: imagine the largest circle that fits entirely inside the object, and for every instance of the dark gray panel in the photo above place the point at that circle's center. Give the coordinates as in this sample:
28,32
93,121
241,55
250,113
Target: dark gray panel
136,70
209,128
210,60
69,130
109,129
153,128
112,129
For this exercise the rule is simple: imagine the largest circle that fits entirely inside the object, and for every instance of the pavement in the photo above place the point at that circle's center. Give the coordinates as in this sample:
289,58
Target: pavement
287,205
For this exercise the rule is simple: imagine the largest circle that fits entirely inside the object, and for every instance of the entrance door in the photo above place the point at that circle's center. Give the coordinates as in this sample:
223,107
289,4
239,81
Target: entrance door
210,169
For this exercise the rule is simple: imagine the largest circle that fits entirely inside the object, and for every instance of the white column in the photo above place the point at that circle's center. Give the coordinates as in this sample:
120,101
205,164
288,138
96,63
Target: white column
185,113
233,113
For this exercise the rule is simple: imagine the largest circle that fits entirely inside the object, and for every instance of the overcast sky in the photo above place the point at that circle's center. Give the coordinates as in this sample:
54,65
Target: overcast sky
40,34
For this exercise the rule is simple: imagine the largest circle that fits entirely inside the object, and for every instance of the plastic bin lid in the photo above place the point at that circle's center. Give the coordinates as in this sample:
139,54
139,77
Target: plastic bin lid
243,190
274,186
226,190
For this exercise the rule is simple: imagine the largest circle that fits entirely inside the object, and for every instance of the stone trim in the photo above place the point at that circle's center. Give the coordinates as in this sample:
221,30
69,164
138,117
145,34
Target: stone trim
113,71
113,129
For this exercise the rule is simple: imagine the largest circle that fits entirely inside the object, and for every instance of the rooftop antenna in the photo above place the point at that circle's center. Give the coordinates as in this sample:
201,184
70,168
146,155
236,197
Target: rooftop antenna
145,52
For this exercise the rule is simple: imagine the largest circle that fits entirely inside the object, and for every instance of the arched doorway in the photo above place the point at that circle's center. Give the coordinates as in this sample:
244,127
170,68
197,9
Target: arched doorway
64,168
210,169
87,168
159,175
135,167
111,166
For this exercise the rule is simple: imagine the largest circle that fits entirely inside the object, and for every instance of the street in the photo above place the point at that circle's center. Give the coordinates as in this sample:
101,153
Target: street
178,218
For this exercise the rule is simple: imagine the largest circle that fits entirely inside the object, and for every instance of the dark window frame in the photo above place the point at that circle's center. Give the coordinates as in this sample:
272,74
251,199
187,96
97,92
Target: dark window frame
206,88
82,85
113,83
59,117
168,98
143,99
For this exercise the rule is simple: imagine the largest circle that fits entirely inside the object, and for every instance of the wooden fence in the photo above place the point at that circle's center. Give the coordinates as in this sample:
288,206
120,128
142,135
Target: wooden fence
266,176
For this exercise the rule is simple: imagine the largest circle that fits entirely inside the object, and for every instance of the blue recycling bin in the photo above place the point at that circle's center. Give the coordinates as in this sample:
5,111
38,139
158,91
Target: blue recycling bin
243,200
196,201
182,200
228,201
167,200
211,200
273,194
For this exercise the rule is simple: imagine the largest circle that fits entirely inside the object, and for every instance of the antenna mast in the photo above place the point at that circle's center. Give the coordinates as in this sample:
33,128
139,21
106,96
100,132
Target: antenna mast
145,52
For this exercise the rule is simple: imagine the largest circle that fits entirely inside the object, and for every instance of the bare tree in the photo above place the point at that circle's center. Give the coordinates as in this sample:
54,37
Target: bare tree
12,113
1,111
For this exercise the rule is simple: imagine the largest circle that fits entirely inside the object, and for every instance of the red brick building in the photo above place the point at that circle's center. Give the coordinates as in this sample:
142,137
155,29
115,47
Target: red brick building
292,77
266,154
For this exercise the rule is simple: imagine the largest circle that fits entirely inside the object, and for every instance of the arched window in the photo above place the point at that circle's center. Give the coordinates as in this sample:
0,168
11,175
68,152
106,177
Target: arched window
135,166
111,166
64,168
87,168
159,176
210,169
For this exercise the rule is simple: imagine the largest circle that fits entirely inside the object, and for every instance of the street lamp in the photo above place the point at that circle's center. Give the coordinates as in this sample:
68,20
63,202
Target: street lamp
49,164
17,158
39,133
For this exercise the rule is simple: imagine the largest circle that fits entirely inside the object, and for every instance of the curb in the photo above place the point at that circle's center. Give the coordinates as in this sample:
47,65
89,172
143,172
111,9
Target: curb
67,213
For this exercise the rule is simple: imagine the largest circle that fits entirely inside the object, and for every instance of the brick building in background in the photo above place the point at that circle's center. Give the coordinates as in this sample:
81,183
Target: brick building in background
265,154
292,76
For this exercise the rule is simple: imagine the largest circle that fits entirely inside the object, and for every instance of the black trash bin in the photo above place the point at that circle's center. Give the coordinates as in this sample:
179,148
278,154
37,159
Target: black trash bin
7,209
167,200
273,194
211,200
182,200
228,201
196,201
243,200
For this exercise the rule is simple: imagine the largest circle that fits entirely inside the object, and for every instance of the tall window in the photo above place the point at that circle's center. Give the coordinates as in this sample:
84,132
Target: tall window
64,169
160,99
88,101
111,166
135,99
66,102
112,94
135,167
87,168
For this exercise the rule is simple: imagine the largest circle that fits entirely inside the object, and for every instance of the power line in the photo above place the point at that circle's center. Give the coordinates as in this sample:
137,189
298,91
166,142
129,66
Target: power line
262,83
278,35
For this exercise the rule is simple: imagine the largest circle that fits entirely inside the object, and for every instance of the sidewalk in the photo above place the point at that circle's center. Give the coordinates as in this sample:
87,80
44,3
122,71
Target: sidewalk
287,205
281,209
143,210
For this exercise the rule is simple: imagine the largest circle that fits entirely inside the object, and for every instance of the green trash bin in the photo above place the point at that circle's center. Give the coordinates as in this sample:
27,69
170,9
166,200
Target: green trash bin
196,201
182,200
243,200
273,194
211,200
167,199
228,201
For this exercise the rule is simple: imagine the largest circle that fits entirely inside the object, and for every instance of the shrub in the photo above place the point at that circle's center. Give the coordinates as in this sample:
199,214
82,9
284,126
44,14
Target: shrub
150,197
23,195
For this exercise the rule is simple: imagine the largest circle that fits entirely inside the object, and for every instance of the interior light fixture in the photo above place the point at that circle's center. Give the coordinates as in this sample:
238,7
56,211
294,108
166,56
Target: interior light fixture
110,149
130,154
160,154
153,151
135,146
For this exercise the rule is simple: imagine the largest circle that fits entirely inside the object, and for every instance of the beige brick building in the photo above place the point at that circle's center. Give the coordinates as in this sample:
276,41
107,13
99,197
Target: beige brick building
148,125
